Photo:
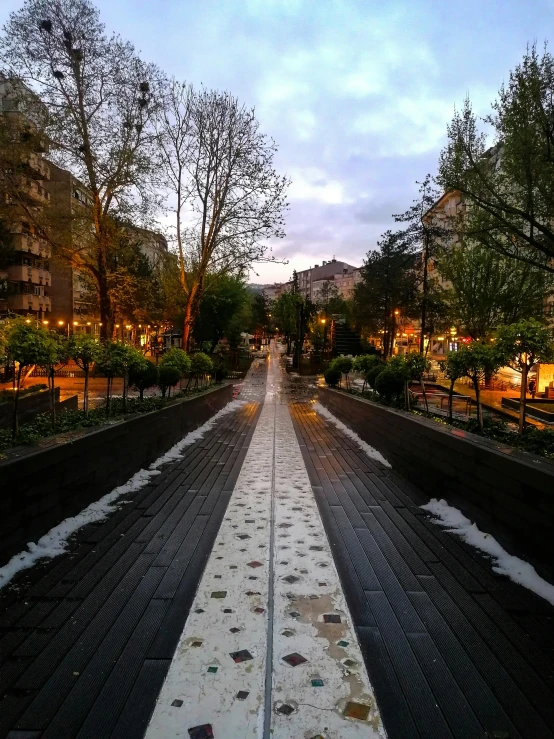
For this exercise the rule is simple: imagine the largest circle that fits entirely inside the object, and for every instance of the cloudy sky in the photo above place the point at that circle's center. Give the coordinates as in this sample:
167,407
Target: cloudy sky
356,94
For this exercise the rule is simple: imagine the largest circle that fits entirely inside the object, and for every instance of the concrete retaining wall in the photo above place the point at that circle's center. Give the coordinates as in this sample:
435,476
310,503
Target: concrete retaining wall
508,493
40,489
29,406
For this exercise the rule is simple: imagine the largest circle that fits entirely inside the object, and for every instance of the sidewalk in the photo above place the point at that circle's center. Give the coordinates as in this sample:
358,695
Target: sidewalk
273,582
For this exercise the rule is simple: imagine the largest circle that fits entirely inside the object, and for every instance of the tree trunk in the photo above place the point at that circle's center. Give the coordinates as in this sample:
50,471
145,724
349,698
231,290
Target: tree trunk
15,428
450,394
106,311
141,393
108,396
406,396
523,398
85,397
190,314
125,382
422,383
480,423
52,383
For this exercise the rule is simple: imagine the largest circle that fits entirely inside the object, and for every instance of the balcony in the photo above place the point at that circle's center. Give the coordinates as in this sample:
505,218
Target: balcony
44,303
34,191
23,273
29,302
24,302
29,243
39,165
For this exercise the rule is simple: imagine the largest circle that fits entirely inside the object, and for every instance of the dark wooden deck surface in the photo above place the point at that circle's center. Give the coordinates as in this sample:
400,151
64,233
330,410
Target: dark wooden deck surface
86,639
452,649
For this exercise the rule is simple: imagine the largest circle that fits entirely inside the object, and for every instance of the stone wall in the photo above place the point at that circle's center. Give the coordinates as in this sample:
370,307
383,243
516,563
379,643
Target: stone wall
508,493
42,488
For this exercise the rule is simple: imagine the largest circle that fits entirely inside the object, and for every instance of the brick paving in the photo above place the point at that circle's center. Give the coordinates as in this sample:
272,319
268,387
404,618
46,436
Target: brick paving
86,644
452,649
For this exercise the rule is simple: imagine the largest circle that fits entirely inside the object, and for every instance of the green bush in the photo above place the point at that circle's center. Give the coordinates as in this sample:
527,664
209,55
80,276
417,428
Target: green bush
390,383
365,362
143,376
176,357
332,376
342,364
200,364
169,376
372,375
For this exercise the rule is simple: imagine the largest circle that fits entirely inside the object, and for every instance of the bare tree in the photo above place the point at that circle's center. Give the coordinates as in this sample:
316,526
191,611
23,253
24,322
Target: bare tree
173,126
100,99
228,197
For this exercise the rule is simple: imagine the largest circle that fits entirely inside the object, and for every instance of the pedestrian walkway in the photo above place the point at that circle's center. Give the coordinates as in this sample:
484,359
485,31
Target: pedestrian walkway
210,604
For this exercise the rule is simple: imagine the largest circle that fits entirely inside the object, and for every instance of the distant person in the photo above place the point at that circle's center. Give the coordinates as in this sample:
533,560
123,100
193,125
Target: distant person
533,388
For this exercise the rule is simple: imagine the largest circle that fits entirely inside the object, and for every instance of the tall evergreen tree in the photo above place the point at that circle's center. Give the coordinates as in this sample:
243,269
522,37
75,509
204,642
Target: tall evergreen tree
388,285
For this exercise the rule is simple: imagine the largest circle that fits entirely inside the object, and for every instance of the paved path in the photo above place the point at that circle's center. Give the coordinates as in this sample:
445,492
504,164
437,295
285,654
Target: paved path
157,620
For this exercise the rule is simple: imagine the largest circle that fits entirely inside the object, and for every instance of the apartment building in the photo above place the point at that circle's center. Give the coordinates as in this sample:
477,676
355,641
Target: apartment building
313,282
272,292
25,278
74,302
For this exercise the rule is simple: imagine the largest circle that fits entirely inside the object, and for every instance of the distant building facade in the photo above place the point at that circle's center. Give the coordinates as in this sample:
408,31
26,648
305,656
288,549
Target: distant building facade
272,292
25,281
342,274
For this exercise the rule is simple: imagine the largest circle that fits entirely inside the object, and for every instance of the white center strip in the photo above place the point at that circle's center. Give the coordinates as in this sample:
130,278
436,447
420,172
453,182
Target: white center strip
216,681
320,684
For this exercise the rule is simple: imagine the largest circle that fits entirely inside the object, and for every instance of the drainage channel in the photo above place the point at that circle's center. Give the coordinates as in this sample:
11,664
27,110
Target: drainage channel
269,648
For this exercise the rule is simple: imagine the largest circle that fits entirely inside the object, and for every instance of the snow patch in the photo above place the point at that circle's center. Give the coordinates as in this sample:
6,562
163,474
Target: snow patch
176,451
55,541
515,568
369,450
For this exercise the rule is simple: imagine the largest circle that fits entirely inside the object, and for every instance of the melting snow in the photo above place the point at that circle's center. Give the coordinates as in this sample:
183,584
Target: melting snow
505,564
369,450
55,541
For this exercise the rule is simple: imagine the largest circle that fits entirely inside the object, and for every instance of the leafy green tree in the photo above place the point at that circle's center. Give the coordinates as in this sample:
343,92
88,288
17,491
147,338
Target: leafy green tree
85,350
390,383
285,316
424,234
508,188
55,352
489,289
143,376
363,363
343,365
454,369
260,309
168,377
116,360
224,308
329,301
373,374
388,284
177,357
200,365
480,361
525,344
332,376
27,346
416,366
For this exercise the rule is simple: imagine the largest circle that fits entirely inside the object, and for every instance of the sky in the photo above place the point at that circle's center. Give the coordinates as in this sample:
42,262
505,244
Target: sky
356,94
